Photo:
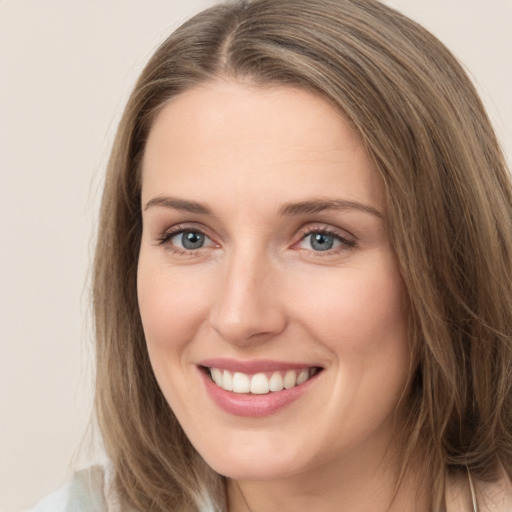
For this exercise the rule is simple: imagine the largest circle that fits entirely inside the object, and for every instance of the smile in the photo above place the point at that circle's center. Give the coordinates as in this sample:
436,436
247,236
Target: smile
256,388
260,383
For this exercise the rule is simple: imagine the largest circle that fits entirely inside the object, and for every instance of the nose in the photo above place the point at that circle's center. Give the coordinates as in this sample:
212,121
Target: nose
249,308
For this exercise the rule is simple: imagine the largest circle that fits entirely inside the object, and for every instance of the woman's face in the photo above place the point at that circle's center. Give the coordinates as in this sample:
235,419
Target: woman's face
265,264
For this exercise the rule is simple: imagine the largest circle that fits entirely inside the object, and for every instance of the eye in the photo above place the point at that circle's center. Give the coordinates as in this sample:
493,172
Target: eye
189,240
323,241
184,240
320,241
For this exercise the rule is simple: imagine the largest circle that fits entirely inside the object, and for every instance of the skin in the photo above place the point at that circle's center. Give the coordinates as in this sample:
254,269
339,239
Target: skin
258,289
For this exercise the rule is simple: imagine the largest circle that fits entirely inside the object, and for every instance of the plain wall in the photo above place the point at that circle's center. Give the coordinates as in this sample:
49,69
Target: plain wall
66,69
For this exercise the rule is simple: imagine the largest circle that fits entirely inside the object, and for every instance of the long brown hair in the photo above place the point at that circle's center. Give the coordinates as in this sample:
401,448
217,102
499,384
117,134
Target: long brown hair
449,201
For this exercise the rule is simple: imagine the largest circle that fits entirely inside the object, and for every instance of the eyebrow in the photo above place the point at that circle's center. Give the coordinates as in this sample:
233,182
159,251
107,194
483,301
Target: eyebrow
179,204
300,208
317,206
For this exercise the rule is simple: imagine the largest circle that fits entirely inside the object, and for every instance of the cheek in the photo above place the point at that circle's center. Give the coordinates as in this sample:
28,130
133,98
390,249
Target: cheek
363,323
172,311
172,308
359,311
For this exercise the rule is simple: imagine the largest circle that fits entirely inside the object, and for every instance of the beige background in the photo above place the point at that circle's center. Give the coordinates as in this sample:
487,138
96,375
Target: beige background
66,68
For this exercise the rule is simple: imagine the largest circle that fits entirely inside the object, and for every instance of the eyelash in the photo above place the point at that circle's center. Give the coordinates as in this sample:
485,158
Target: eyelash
165,237
347,243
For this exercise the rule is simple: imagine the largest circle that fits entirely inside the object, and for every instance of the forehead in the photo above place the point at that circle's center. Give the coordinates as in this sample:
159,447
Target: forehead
254,139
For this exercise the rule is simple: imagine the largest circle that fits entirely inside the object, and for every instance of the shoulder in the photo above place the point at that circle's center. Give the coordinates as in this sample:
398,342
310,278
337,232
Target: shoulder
91,490
87,491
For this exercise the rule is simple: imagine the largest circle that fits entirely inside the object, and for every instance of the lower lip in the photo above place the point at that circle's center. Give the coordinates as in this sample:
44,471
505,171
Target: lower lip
250,405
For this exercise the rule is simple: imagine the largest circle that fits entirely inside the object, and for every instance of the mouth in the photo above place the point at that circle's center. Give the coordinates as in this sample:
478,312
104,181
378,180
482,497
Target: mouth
260,383
257,388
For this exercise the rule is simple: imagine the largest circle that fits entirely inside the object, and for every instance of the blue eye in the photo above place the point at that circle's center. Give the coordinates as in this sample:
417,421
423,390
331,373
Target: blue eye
324,241
189,240
321,241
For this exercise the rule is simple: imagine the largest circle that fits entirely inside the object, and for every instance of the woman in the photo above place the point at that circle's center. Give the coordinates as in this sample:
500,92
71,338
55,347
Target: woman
303,275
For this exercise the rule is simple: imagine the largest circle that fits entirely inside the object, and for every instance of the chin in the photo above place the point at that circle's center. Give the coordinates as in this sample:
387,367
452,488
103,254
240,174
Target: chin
253,470
258,461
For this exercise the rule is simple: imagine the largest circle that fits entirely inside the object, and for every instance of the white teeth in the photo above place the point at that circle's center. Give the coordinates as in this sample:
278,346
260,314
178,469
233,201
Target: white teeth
276,382
260,383
227,381
290,379
217,376
302,377
241,383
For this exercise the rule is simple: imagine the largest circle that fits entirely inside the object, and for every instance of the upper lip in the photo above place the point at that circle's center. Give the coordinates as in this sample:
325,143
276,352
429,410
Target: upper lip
253,366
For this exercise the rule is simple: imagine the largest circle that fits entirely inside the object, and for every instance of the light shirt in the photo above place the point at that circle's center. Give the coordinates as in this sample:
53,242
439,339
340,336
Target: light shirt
86,491
89,490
